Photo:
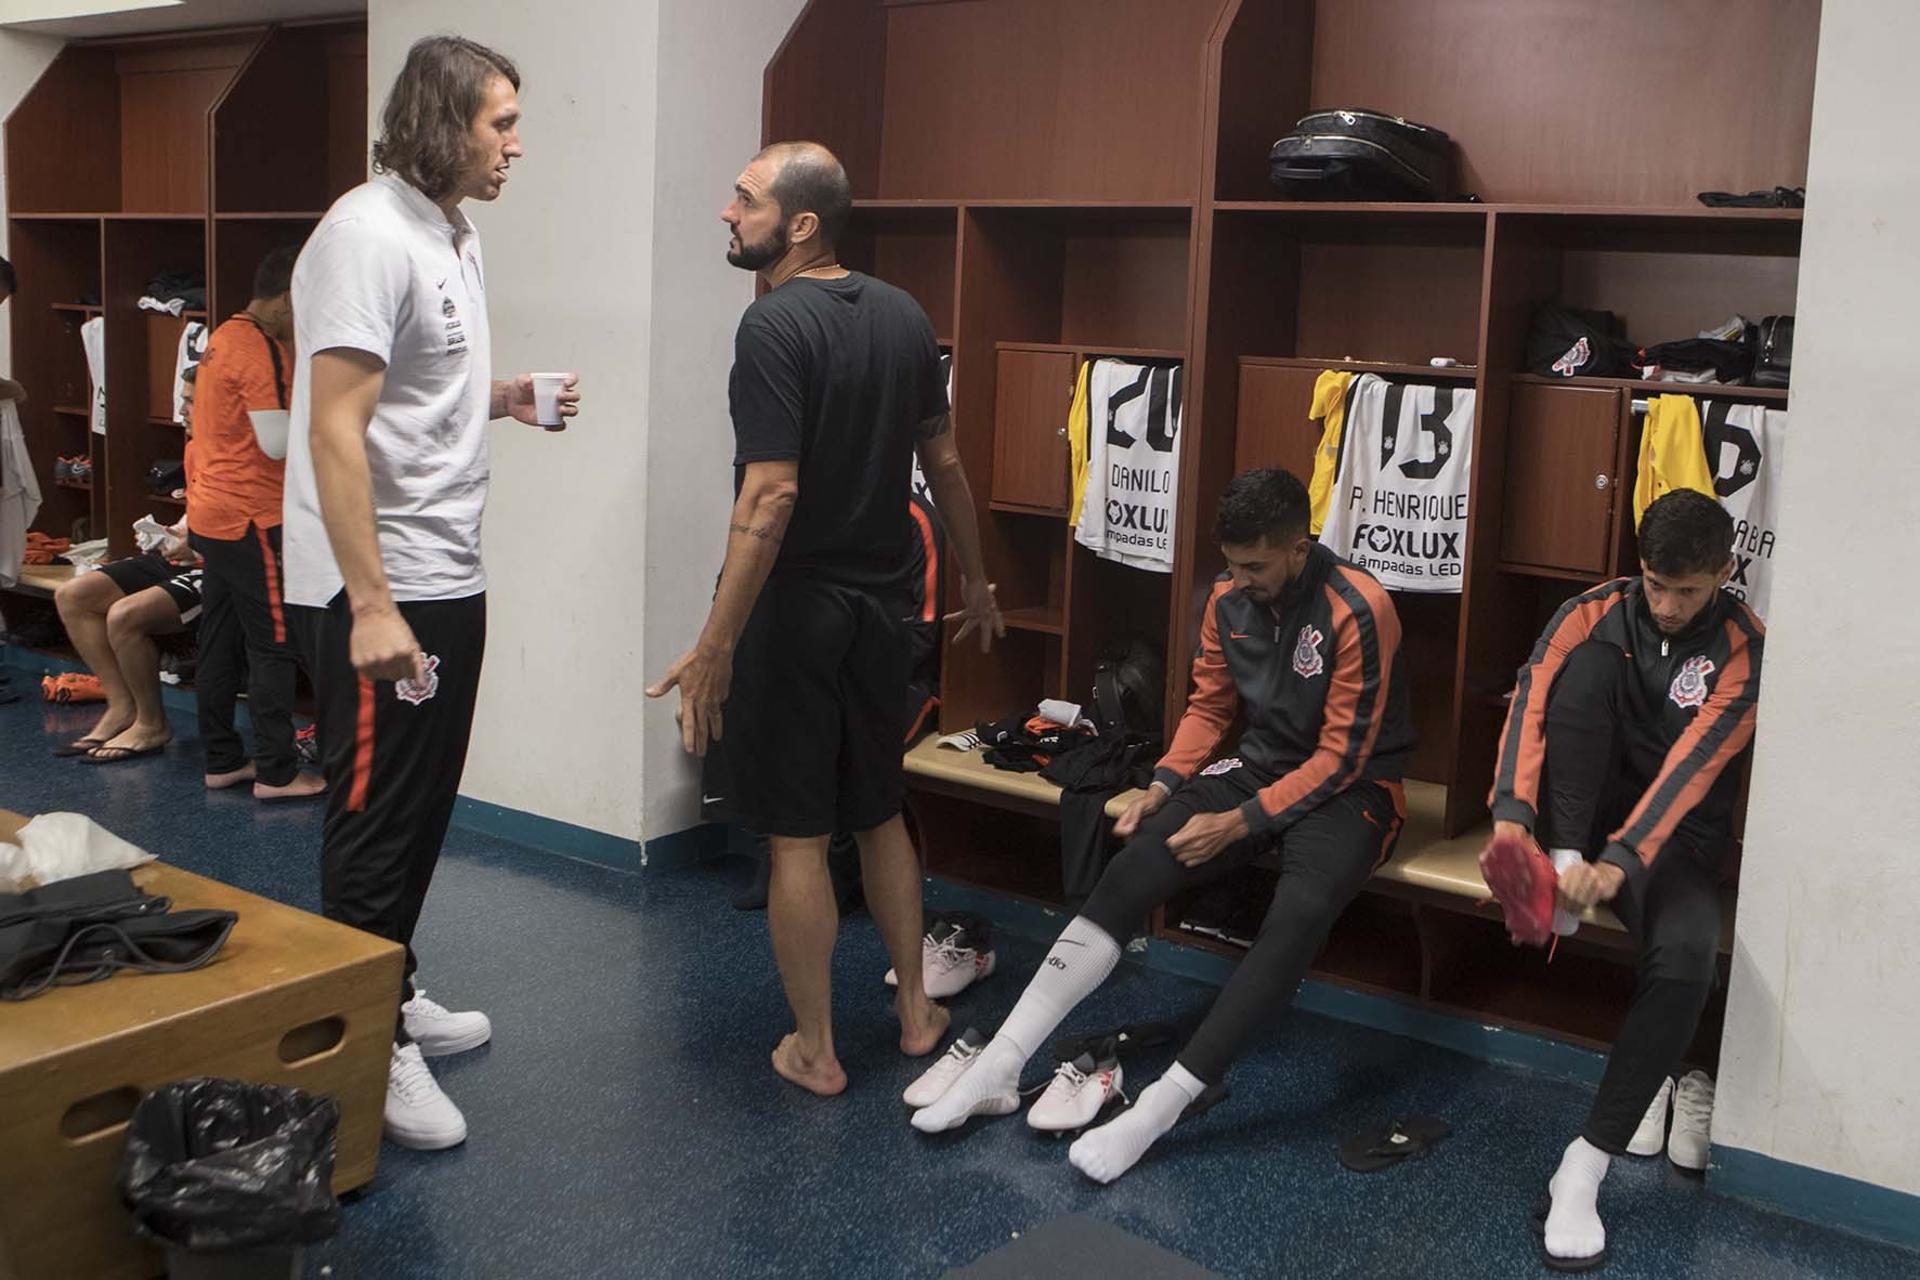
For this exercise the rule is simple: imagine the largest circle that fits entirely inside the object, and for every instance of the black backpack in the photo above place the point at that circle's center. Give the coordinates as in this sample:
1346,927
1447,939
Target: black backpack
1565,343
1129,692
1773,360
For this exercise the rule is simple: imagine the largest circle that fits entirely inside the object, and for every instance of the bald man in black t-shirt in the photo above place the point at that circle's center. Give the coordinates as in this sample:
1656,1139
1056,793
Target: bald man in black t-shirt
797,675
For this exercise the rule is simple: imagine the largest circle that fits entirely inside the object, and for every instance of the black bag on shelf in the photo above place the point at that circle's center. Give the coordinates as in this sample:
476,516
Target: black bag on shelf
1773,359
1566,343
1353,154
165,476
1726,361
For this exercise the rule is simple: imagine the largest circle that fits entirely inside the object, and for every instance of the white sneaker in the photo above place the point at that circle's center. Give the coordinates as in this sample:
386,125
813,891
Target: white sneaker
418,1115
939,1077
1652,1133
440,1032
1080,1091
1690,1142
949,964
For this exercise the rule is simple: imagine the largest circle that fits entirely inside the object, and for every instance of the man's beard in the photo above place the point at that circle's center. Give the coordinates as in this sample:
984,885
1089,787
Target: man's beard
758,257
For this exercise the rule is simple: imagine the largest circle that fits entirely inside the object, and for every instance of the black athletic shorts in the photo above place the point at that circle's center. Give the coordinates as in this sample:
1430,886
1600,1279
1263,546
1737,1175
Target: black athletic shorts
814,727
137,573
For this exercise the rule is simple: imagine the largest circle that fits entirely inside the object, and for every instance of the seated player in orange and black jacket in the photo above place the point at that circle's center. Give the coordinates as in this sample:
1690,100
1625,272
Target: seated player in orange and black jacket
1618,756
1308,647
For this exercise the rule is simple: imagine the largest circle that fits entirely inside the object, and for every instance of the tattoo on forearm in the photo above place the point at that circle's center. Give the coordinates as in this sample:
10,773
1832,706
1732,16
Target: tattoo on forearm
765,535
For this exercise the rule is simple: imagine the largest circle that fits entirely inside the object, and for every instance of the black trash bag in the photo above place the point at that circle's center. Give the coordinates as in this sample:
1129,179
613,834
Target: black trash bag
217,1166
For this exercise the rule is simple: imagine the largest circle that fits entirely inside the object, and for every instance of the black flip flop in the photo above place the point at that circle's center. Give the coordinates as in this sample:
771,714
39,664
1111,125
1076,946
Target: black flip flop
124,754
78,747
1592,1262
1382,1146
1121,1041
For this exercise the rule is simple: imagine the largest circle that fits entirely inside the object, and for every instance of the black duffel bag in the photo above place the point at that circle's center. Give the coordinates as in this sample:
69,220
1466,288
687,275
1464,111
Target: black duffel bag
1351,154
1773,354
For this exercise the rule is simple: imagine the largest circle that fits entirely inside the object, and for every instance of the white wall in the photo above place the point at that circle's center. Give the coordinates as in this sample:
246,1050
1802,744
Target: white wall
1823,1025
605,255
569,286
710,76
22,59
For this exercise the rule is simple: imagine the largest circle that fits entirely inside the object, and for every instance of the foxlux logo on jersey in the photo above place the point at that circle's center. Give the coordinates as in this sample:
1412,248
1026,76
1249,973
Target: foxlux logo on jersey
1307,662
1689,688
1403,483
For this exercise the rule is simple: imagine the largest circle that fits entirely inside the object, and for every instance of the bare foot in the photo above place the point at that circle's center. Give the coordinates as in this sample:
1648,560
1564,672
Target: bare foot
824,1077
113,722
221,781
302,786
922,1027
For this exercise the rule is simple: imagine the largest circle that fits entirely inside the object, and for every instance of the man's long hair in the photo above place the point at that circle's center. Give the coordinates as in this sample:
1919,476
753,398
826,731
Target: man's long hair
426,131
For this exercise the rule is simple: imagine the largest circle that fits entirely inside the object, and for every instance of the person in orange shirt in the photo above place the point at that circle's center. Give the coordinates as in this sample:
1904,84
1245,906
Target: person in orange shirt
235,472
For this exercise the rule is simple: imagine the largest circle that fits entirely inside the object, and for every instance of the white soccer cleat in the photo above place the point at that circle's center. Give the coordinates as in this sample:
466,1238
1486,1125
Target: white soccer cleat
950,961
418,1114
439,1031
1690,1142
939,1077
1079,1092
1652,1133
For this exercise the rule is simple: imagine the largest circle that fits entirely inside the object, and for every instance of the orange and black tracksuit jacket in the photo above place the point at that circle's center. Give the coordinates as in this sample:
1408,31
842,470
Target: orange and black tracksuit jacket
1320,679
1699,688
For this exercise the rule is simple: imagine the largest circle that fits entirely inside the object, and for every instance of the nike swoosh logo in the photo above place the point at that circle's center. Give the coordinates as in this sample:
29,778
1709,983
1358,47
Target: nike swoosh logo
1238,635
441,283
711,799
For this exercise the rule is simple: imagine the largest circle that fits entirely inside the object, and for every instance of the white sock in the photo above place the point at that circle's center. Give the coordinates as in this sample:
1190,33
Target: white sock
1565,922
1574,1229
1081,958
1105,1153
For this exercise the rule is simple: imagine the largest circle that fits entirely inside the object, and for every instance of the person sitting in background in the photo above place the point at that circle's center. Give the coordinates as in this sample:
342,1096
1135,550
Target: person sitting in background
112,615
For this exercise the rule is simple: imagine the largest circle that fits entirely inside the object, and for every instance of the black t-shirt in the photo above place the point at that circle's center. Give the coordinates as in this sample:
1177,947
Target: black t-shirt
840,375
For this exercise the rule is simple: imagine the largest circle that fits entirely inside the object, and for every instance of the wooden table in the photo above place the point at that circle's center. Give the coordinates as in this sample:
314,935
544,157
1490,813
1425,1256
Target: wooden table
291,999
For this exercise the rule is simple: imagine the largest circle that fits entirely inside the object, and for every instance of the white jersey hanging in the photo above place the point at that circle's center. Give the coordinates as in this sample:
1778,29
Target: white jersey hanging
1746,445
1133,463
93,336
193,345
1399,506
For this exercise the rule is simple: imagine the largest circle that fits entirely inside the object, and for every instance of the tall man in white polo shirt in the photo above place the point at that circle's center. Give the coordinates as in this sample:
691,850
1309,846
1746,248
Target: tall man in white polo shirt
386,481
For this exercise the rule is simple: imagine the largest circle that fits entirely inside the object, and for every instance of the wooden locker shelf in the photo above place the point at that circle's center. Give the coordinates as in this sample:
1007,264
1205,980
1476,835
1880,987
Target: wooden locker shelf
1640,387
133,156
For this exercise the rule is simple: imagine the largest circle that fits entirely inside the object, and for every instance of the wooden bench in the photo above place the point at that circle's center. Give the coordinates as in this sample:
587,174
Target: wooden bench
41,580
291,999
966,775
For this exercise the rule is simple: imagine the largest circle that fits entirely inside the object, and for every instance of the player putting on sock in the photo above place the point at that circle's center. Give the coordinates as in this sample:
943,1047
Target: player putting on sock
1638,696
1308,647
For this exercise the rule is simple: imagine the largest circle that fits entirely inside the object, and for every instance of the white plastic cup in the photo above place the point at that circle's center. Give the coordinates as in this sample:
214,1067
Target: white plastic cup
546,399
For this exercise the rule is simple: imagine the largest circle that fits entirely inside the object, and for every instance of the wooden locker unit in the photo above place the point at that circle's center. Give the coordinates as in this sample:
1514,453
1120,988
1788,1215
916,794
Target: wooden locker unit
1562,468
1030,462
1107,173
128,157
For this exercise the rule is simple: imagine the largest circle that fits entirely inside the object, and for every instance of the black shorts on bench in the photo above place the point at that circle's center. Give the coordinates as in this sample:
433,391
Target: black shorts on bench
137,573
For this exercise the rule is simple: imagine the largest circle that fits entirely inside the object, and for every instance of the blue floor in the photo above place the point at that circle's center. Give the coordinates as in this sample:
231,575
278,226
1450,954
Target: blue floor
625,1122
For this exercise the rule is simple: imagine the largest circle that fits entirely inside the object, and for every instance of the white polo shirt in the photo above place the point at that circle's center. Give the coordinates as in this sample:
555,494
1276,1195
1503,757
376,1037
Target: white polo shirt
386,273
